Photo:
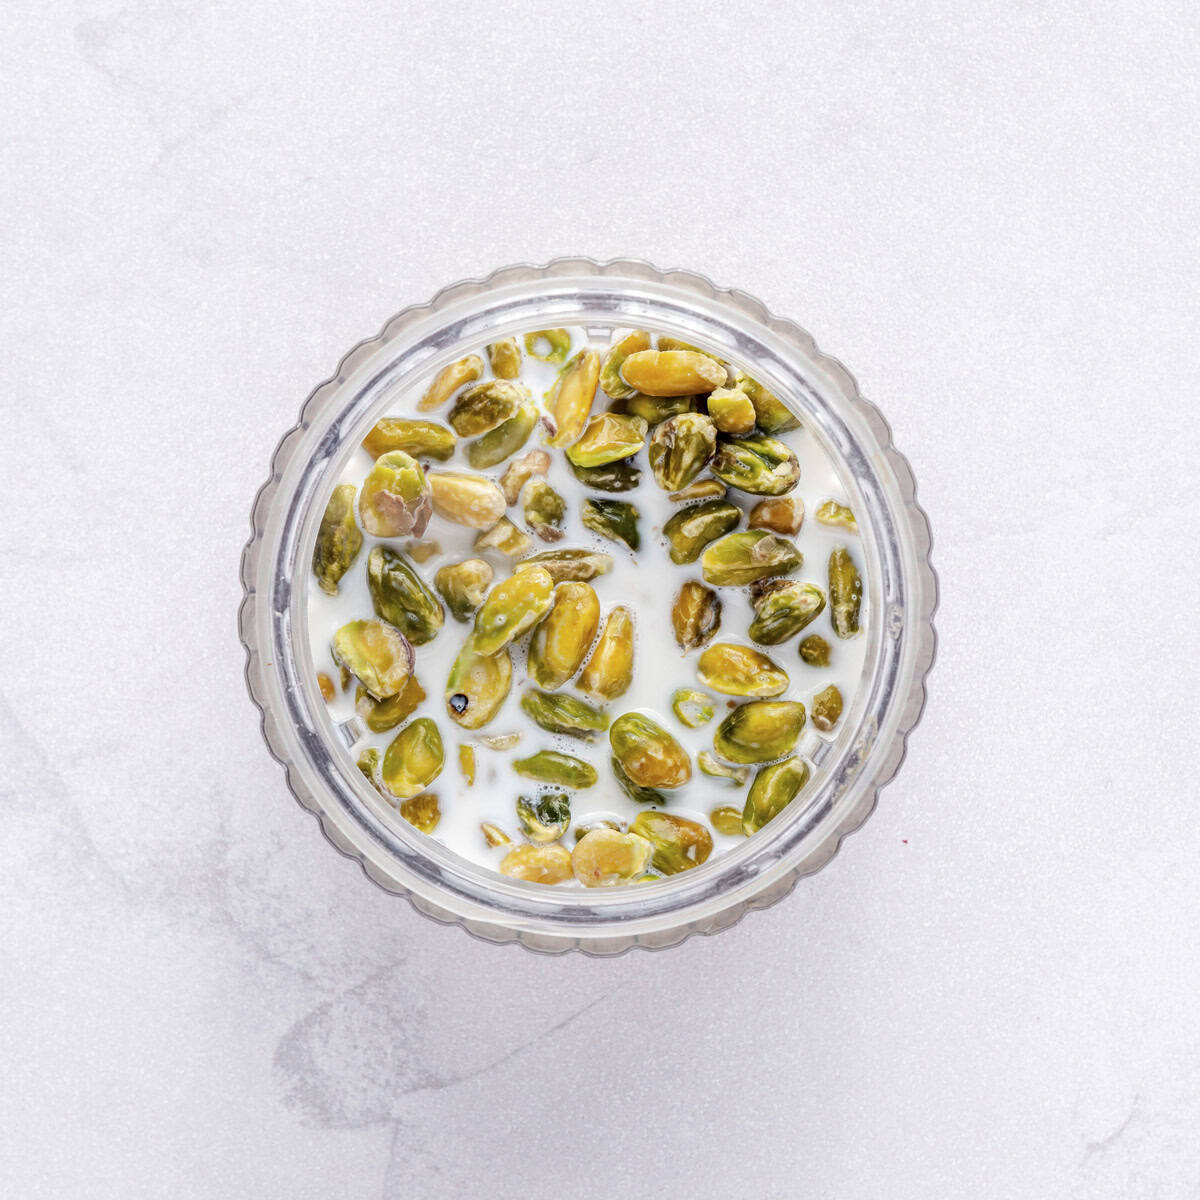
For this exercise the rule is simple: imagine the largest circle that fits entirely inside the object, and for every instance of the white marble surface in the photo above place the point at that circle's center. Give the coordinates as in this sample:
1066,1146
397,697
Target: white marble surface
989,211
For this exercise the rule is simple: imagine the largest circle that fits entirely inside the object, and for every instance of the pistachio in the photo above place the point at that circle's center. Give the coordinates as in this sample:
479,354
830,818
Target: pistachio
832,513
845,593
711,767
608,438
731,410
815,650
635,791
612,519
484,406
550,766
326,685
505,537
761,465
422,551
519,473
679,844
563,714
512,608
396,497
771,414
826,709
506,439
504,357
500,741
693,708
538,864
692,528
656,409
382,715
735,670
449,379
560,643
421,439
548,345
400,596
612,477
759,731
466,763
477,686
647,753
545,819
781,514
773,789
603,857
727,820
609,671
338,539
463,585
782,608
679,449
378,653
544,510
344,676
742,558
368,764
466,499
569,401
413,759
578,565
610,372
422,811
494,835
671,372
702,489
695,615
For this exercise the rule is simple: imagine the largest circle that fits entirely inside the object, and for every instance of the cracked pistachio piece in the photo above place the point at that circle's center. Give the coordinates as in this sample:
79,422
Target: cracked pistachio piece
741,558
551,766
494,835
368,764
569,401
326,685
780,514
759,731
512,609
563,714
760,465
422,551
727,820
692,528
548,345
382,715
421,439
520,472
711,766
826,709
338,539
612,519
603,857
612,477
635,791
695,615
449,379
607,438
463,585
505,537
731,410
610,372
466,499
693,708
396,497
505,440
344,676
680,448
845,593
839,515
400,596
815,650
735,670
500,741
504,357
647,753
561,642
466,763
378,653
701,489
538,864
413,759
609,671
654,410
671,372
782,608
422,812
477,686
771,414
679,844
545,510
545,819
773,789
484,406
578,565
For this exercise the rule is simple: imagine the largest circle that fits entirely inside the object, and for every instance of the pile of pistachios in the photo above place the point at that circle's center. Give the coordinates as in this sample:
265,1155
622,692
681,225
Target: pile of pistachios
517,599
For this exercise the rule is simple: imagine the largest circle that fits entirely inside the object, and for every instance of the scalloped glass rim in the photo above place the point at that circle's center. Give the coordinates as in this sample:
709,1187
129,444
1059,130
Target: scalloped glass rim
900,579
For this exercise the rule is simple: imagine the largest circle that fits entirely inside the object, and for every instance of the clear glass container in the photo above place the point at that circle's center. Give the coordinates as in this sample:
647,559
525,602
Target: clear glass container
900,587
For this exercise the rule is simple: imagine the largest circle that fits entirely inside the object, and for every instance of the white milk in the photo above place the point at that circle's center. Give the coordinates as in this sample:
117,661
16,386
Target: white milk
646,583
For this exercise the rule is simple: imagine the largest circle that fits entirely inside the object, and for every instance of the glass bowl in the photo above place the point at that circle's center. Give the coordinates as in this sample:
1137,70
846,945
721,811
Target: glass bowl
900,588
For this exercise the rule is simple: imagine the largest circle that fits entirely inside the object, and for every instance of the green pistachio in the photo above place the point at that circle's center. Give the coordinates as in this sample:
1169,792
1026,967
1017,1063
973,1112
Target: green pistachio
506,439
761,465
815,650
484,406
648,754
679,844
396,497
382,715
579,565
671,372
463,586
771,414
692,528
549,766
782,608
731,410
560,643
512,609
759,731
548,345
422,811
609,671
773,789
635,791
477,686
338,539
741,558
400,596
735,670
693,708
695,615
826,709
505,537
504,357
414,759
612,477
610,372
563,714
608,438
545,819
845,593
421,439
833,513
378,653
727,820
715,769
569,402
612,519
466,499
449,379
545,510
680,448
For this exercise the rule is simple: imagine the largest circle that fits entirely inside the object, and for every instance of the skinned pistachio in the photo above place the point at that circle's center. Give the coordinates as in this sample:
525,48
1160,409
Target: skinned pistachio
679,844
463,586
504,357
771,414
466,499
505,537
759,731
421,439
635,791
610,372
612,519
712,767
563,714
512,608
569,402
671,372
494,835
695,615
656,409
782,608
368,764
579,565
382,715
544,510
466,763
780,514
396,497
845,593
761,465
741,558
413,759
400,596
378,653
545,819
477,686
326,686
731,410
557,343
833,513
694,709
484,406
773,789
550,766
727,820
648,754
735,670
560,643
519,473
609,671
538,864
449,379
338,540
826,709
692,528
603,857
608,437
815,650
612,477
506,439
422,811
680,448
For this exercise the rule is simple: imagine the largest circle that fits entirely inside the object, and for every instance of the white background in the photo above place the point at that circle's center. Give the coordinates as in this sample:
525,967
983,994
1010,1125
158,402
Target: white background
988,211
